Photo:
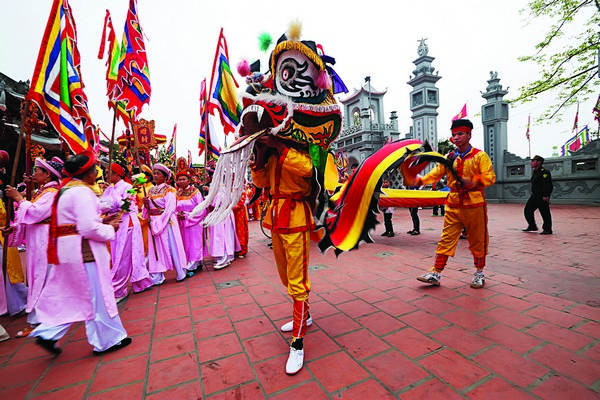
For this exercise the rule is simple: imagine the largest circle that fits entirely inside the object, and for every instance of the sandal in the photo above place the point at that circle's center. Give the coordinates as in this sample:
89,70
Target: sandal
24,333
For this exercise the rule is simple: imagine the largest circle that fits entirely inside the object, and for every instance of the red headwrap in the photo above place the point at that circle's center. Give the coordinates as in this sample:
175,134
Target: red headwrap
183,173
117,169
461,129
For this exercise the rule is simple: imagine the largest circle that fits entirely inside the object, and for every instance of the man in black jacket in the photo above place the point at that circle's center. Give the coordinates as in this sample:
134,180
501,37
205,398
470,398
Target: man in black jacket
541,188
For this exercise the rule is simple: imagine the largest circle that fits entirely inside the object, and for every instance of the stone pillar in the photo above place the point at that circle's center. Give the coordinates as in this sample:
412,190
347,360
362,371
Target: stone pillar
494,116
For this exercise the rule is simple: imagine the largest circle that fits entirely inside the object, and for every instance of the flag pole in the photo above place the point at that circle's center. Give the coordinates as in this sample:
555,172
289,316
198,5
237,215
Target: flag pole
110,145
135,142
137,155
13,178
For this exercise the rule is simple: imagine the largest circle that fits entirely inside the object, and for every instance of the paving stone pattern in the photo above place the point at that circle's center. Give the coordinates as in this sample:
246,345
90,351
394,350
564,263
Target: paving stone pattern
532,332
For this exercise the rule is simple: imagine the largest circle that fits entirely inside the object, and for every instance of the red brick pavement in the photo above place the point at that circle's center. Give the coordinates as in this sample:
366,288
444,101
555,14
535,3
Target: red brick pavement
532,332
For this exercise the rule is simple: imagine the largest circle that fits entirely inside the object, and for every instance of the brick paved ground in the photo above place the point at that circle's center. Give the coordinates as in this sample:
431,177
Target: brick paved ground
532,332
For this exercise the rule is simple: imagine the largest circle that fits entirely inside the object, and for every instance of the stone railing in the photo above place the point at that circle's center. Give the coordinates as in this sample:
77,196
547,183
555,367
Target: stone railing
576,178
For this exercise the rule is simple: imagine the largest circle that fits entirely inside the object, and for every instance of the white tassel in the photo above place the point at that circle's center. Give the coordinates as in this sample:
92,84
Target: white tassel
227,185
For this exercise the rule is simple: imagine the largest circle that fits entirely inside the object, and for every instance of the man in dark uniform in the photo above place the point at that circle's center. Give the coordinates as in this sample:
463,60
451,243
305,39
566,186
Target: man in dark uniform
541,188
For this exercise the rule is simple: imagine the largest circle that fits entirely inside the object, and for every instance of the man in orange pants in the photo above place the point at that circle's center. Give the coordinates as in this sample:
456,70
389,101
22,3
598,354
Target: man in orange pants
288,172
466,206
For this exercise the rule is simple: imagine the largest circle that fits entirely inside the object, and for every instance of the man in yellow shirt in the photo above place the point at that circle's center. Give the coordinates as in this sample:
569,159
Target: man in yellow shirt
466,206
288,173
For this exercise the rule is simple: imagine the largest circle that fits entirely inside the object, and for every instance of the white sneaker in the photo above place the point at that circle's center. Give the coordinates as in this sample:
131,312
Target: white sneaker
478,280
289,326
430,277
295,361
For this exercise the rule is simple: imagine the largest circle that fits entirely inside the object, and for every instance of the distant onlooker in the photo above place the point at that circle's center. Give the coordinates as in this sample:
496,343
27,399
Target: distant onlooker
388,213
541,189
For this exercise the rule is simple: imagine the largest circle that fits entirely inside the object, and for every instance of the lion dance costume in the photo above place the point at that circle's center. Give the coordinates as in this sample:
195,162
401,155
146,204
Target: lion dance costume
289,120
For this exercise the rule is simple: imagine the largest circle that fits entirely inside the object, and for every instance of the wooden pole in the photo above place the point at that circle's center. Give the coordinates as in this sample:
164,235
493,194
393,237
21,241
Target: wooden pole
135,142
110,145
137,154
13,178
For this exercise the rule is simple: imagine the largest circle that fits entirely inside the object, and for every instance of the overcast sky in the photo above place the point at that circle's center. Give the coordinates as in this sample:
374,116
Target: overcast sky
468,38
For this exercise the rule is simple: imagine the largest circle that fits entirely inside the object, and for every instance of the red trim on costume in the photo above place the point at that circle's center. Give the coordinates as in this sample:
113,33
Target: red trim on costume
300,317
440,262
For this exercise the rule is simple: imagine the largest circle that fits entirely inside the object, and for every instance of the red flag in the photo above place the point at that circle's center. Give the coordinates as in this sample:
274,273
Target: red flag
462,114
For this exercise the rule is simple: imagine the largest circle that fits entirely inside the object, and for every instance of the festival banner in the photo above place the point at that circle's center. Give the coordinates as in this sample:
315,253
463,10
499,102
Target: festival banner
576,142
223,97
462,114
133,80
57,86
113,53
173,144
207,129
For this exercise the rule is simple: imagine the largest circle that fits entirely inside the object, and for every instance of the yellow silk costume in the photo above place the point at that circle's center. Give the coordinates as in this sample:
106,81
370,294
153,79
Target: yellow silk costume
13,261
466,206
289,217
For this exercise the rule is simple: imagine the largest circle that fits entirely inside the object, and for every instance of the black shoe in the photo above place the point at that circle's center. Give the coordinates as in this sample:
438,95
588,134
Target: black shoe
546,233
124,343
392,234
49,345
415,233
530,228
384,234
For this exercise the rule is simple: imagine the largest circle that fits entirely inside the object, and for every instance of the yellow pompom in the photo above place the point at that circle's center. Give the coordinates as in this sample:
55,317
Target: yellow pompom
295,30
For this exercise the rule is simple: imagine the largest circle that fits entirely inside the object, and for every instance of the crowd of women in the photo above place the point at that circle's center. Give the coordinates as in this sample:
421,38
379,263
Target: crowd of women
139,226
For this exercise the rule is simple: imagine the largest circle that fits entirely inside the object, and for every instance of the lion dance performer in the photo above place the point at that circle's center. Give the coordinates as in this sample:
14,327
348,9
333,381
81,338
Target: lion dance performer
466,206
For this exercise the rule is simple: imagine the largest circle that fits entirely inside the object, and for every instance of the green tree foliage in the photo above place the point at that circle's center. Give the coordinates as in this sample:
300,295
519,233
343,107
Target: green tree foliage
164,157
445,147
569,67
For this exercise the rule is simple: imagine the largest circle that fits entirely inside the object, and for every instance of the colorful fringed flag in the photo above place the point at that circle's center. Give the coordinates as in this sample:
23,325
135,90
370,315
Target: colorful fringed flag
203,116
214,151
56,86
173,144
528,126
112,66
190,164
576,142
462,114
133,81
596,110
223,89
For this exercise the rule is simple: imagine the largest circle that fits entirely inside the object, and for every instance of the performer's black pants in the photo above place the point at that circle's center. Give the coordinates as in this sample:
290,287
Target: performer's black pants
414,213
387,220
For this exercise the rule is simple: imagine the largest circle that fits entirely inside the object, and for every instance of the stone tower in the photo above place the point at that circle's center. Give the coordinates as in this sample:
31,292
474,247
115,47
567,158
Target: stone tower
494,116
424,98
